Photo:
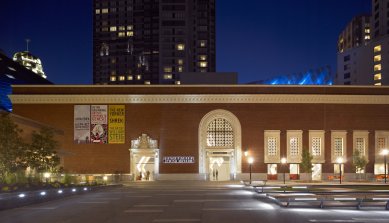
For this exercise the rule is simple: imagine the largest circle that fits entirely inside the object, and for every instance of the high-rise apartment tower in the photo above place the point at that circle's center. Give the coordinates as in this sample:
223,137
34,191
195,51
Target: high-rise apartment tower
363,48
152,41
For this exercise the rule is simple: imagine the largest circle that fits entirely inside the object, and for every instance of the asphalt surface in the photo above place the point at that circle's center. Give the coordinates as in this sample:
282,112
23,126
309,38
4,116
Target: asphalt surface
182,201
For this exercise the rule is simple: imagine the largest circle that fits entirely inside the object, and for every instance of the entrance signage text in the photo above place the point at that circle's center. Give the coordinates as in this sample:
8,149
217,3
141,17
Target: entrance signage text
178,159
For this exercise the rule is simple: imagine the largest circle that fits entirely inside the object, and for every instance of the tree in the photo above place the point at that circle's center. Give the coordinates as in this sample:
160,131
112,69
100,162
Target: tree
42,153
306,162
11,147
359,161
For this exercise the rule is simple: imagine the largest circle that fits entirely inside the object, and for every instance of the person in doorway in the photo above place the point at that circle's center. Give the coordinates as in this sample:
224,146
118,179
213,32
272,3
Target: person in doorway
139,177
213,174
147,175
217,173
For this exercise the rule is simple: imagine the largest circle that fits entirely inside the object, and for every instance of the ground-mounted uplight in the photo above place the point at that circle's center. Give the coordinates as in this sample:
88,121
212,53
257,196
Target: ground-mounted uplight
60,191
340,162
74,190
85,189
21,195
43,193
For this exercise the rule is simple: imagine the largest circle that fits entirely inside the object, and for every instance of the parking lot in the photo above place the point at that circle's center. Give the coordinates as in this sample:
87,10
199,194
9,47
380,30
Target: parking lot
181,201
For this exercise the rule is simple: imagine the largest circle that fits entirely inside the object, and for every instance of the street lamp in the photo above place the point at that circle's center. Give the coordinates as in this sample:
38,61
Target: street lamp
283,161
385,153
340,161
250,160
246,153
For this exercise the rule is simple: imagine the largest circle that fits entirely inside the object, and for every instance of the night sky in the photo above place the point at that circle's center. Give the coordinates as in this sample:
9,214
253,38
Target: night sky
258,39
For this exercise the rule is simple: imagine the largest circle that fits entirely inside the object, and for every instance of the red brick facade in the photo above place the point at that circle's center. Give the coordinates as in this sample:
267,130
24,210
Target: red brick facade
176,125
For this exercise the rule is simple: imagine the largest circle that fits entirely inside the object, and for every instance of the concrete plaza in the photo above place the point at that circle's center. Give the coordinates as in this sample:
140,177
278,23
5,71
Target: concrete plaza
180,201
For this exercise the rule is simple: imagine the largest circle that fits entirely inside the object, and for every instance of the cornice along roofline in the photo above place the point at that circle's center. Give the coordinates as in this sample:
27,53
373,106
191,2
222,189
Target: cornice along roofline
201,99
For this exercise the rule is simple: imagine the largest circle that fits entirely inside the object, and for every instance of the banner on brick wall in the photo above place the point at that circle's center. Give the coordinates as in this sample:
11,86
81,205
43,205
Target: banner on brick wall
81,124
116,124
99,124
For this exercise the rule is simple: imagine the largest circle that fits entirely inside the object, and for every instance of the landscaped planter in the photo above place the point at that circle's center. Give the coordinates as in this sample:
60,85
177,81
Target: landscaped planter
306,177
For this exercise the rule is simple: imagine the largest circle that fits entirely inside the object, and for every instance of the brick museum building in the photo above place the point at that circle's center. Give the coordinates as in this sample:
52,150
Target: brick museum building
192,132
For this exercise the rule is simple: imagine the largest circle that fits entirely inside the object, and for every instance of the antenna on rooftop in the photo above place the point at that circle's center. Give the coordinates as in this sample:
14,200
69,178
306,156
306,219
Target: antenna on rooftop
27,42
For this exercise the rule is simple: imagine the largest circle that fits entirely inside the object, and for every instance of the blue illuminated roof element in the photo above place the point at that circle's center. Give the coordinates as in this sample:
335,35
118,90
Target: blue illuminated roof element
318,77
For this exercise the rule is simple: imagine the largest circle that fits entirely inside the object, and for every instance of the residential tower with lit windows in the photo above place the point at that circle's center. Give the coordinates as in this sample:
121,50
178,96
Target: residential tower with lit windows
363,49
152,42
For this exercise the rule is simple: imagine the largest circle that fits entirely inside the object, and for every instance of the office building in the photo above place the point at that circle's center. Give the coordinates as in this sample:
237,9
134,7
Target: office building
151,41
30,62
380,18
13,73
357,33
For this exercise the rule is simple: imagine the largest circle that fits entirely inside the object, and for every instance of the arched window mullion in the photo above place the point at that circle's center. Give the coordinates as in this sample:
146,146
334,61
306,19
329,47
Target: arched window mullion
219,133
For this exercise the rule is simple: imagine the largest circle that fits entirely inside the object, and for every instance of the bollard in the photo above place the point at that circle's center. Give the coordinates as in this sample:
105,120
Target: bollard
387,205
321,203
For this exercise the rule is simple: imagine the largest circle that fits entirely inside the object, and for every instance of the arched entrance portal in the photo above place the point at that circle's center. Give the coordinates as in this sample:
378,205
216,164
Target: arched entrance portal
220,146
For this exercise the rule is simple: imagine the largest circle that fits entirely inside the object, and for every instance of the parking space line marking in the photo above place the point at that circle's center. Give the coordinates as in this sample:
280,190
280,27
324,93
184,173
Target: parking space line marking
235,209
93,202
337,220
178,220
206,200
143,211
151,205
137,196
39,208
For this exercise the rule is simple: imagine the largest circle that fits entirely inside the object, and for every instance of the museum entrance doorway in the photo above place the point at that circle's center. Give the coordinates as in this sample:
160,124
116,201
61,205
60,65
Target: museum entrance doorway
219,165
219,146
144,158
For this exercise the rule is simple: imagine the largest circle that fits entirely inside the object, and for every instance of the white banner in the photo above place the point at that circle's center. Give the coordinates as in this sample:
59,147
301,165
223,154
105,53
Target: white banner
81,124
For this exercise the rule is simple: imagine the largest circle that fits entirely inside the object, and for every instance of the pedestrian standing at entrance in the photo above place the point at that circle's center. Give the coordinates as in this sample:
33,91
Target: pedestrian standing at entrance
217,173
148,175
214,174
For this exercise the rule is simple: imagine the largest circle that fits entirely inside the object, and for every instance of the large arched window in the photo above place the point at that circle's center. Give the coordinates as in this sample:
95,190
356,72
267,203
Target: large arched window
220,133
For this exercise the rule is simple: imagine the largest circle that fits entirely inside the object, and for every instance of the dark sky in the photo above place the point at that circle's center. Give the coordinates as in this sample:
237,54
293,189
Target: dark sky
258,39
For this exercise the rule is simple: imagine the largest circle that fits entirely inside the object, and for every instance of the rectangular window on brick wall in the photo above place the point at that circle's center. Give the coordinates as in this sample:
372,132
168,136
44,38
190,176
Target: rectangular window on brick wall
360,146
338,149
316,146
294,146
381,143
272,146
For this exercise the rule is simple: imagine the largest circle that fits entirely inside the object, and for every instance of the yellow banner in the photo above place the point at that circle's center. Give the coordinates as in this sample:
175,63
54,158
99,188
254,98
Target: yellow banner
116,124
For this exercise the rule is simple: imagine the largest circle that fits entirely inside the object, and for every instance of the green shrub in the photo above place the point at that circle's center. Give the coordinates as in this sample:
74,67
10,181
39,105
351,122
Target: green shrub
5,189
